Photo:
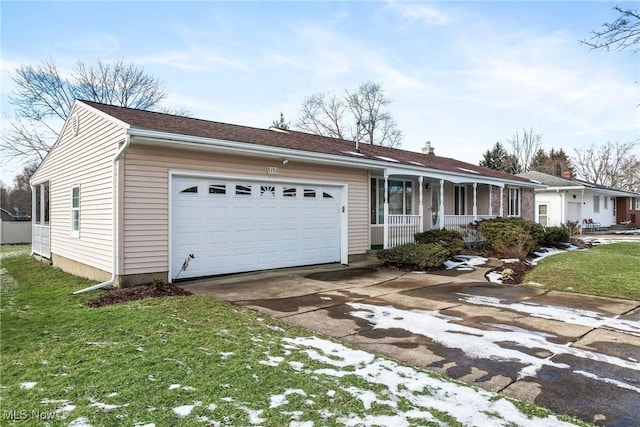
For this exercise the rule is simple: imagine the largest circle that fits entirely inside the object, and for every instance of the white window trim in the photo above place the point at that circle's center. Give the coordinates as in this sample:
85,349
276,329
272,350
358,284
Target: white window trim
380,184
637,204
518,192
596,203
74,232
605,203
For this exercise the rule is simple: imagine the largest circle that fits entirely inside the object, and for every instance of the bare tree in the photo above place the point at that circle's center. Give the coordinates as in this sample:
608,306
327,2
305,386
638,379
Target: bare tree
42,93
360,114
27,141
323,114
522,148
373,124
613,164
620,34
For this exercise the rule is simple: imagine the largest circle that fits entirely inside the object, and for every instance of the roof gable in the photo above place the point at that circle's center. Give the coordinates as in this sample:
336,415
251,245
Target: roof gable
291,139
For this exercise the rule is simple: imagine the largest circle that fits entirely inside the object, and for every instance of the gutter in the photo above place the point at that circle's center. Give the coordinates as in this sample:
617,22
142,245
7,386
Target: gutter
171,139
114,213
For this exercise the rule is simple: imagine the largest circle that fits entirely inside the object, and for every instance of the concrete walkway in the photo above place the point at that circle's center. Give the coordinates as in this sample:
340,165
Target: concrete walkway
574,354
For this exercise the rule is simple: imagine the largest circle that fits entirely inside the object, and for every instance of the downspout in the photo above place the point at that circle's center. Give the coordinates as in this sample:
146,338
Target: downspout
114,213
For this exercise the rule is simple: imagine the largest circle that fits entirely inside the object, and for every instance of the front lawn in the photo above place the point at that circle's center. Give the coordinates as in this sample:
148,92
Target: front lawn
610,270
197,361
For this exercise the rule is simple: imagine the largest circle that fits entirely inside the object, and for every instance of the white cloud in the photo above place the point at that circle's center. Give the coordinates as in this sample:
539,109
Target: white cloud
418,12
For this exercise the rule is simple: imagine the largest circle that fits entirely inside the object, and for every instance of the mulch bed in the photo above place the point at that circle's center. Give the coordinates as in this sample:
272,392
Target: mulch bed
519,270
133,293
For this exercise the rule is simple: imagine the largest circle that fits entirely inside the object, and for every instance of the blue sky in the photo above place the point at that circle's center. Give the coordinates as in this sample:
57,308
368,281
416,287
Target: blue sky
462,74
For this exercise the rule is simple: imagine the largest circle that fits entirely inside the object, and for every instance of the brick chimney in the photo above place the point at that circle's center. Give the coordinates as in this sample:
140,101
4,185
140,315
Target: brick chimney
428,149
566,174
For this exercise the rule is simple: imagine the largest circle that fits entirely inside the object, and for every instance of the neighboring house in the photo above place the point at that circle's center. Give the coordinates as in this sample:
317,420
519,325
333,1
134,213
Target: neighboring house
569,199
128,195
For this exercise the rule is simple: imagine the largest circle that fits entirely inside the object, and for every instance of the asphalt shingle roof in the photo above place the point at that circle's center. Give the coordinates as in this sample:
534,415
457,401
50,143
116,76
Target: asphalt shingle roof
291,139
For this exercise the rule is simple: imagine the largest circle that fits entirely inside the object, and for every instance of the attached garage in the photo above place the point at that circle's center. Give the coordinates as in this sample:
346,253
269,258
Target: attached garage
233,225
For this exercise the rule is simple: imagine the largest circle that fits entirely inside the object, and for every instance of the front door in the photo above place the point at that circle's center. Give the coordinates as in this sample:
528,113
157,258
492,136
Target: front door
435,206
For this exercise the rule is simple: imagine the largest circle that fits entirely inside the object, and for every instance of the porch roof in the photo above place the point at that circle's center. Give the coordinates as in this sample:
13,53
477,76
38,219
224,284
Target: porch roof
211,133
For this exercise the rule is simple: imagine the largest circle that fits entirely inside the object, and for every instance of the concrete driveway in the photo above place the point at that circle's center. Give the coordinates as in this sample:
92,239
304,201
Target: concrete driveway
574,354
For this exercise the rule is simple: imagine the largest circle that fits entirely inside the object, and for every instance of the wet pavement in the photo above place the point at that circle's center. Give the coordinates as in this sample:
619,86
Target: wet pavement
574,354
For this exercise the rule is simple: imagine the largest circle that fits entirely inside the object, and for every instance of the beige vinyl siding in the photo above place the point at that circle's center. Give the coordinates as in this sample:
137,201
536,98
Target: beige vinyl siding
147,191
83,160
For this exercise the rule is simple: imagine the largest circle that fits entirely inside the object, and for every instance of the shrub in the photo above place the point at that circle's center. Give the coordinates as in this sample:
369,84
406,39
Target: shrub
449,239
512,237
572,227
555,236
415,255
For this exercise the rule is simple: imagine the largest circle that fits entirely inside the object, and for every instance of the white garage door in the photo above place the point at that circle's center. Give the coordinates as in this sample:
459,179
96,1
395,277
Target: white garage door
232,226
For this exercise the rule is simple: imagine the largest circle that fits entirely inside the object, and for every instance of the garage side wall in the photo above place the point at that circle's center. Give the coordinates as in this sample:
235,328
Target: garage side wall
82,160
147,194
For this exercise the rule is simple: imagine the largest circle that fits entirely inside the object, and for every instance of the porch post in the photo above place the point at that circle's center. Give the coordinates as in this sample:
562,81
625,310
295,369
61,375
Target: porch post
420,207
41,204
385,243
501,201
491,200
33,205
475,201
441,207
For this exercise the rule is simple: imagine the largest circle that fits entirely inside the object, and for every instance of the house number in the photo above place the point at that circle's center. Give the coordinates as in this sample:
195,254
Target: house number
272,170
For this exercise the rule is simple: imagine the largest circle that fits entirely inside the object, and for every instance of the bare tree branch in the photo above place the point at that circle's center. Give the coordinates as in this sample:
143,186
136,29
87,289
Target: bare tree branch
620,34
26,140
42,93
522,149
613,164
360,114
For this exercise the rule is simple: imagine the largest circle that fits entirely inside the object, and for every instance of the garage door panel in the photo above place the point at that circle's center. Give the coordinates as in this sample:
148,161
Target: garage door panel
217,238
232,226
243,236
217,213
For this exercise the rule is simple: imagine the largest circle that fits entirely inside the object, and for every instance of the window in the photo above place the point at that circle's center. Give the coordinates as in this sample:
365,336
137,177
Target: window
637,203
460,200
400,198
514,202
193,189
307,192
75,211
243,190
605,201
596,204
289,192
267,191
217,189
543,218
327,195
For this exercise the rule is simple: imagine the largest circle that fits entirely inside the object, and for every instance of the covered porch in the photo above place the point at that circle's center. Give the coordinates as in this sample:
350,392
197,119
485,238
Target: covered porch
403,204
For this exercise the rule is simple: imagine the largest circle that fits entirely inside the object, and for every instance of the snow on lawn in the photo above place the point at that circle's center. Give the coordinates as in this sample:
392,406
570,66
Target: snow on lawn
28,385
418,392
478,343
574,316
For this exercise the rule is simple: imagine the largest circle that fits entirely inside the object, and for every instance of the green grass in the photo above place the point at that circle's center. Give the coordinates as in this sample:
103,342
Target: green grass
611,270
134,355
14,248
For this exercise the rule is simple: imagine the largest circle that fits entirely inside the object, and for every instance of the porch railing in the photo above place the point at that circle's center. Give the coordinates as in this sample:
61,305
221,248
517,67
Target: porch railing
41,240
461,222
402,228
465,225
